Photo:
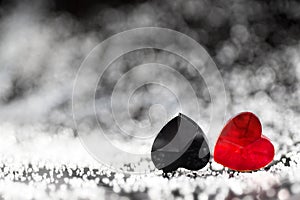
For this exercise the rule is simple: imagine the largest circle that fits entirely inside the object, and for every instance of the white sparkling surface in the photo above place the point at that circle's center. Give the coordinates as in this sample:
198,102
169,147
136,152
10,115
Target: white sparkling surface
46,167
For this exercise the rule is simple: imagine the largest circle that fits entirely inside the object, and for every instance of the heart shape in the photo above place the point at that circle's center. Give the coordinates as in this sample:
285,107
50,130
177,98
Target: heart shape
241,145
180,143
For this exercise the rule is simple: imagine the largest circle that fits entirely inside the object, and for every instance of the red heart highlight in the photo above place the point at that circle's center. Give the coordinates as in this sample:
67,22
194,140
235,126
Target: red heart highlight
241,146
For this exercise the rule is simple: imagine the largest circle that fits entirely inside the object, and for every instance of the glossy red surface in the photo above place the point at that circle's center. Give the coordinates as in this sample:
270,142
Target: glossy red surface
241,146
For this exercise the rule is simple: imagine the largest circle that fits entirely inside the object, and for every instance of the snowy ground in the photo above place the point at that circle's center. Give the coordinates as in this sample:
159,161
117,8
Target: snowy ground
42,166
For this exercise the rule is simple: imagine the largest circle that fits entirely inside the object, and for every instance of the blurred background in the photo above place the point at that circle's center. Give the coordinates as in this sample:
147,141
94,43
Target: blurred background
255,45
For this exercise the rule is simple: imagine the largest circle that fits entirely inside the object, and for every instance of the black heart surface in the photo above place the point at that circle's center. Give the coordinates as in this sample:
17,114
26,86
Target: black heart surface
180,143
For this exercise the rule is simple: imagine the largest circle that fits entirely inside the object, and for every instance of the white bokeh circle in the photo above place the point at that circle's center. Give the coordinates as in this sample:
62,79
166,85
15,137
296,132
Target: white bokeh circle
95,140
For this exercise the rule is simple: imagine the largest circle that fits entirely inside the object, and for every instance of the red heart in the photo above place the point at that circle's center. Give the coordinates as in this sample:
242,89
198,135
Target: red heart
241,146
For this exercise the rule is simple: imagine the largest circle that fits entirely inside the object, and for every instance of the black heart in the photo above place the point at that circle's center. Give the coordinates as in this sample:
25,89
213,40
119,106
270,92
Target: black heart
180,143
